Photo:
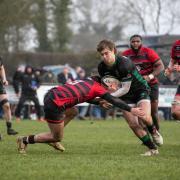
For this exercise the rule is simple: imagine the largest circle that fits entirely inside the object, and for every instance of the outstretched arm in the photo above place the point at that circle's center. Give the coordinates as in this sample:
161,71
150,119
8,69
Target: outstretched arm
122,105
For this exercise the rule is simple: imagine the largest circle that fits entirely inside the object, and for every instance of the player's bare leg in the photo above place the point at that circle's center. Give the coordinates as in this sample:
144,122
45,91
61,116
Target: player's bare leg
55,135
140,132
154,113
70,114
7,114
146,106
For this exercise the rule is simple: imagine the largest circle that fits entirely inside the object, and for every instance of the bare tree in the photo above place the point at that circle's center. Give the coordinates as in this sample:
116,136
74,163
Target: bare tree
152,16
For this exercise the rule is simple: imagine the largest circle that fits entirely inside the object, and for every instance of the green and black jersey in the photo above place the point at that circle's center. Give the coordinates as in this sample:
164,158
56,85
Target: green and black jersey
124,70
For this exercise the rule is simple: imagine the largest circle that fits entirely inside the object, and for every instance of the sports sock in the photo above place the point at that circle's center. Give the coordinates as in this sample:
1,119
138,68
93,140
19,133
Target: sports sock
151,128
9,125
147,142
29,139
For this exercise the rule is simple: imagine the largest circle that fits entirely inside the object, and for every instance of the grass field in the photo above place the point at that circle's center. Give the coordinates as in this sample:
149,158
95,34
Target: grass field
95,150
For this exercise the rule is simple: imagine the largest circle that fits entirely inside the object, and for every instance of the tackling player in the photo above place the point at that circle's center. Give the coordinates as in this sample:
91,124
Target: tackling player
134,91
59,109
173,72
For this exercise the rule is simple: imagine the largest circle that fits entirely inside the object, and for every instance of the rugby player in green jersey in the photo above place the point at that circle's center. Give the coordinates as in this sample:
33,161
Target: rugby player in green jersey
134,91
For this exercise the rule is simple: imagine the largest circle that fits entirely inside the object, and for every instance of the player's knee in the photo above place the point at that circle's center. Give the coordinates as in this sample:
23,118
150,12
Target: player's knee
5,104
176,115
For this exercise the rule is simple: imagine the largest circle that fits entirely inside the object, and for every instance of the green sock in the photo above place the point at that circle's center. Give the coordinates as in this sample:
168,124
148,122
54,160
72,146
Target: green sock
148,142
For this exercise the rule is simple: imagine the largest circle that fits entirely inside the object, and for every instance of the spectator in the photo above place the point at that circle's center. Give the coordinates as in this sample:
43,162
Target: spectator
30,83
49,77
65,76
81,75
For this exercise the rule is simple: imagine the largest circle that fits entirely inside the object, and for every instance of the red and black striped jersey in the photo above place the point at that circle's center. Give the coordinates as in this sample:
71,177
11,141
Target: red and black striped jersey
175,52
75,92
144,60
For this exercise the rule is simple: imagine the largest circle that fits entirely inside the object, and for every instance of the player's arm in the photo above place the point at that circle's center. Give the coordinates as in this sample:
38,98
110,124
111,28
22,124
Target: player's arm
94,101
169,69
116,102
158,67
123,90
3,75
122,105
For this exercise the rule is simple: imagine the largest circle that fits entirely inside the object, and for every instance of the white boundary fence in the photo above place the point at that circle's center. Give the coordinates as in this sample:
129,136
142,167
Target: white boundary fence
166,95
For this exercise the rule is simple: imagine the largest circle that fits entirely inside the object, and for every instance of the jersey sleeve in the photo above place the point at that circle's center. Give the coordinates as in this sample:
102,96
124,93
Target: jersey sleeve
152,55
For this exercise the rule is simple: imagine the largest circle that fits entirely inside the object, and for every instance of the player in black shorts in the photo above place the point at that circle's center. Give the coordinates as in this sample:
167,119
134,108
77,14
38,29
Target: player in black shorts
4,100
59,109
134,91
149,65
173,72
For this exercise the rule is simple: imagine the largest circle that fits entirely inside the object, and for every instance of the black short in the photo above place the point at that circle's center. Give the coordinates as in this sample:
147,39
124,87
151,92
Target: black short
52,112
2,89
178,91
134,98
154,93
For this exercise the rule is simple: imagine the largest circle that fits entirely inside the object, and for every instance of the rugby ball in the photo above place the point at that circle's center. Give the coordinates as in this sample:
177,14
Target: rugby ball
110,81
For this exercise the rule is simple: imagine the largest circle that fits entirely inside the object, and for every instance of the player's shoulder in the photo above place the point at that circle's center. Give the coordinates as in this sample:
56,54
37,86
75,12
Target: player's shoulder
177,42
147,49
123,60
124,63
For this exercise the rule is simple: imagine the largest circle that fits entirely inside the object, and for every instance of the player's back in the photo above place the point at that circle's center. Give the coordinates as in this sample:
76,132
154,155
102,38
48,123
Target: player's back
76,92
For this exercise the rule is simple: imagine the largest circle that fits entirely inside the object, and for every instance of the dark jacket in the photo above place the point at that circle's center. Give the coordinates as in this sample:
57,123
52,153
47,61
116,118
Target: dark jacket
62,79
29,82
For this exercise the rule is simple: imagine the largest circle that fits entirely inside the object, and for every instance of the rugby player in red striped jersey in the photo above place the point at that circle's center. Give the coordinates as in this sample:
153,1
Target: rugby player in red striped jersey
134,91
59,109
149,66
173,72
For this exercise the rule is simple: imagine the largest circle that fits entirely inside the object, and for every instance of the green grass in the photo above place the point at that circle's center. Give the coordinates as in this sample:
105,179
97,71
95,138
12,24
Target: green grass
95,150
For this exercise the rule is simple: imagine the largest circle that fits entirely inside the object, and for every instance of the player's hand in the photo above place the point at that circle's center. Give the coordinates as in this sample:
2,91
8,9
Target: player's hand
146,78
5,82
138,112
105,104
176,67
167,72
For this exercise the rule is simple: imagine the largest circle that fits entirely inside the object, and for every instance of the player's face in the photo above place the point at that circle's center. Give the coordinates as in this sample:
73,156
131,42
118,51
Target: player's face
108,56
113,87
136,42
